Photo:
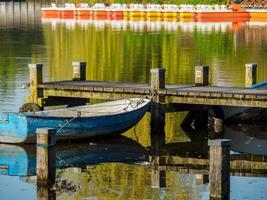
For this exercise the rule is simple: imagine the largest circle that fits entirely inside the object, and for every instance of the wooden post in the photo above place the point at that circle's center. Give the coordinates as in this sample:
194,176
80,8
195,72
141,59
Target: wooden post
157,78
201,75
251,74
157,138
45,192
202,179
219,168
45,158
36,77
158,178
79,71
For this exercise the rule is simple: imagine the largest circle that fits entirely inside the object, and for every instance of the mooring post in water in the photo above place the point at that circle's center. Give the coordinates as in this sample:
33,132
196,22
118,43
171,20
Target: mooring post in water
157,125
219,171
157,78
45,155
79,71
202,179
36,77
201,75
251,74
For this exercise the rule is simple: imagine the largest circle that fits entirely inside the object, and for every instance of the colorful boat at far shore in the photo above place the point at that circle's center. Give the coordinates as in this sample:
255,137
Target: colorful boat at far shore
99,9
117,10
153,10
83,11
51,11
136,10
186,11
220,12
257,13
170,10
68,11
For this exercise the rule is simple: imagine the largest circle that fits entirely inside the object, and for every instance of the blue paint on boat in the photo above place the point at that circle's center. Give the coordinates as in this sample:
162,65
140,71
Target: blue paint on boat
18,128
262,84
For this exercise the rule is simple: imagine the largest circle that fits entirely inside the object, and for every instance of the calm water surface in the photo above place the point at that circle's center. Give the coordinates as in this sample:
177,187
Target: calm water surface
125,51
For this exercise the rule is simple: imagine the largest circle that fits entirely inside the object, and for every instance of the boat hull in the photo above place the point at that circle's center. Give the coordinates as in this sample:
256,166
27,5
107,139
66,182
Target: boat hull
230,14
136,13
83,13
153,14
100,13
186,14
170,14
50,13
20,128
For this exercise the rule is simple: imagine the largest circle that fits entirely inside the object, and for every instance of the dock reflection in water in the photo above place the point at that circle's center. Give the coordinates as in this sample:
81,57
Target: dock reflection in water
103,168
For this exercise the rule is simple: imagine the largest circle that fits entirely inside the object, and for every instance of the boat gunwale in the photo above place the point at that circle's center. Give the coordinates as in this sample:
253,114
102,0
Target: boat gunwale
146,103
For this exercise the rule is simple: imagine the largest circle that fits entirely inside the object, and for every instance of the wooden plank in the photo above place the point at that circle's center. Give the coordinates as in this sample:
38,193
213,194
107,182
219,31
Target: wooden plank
216,101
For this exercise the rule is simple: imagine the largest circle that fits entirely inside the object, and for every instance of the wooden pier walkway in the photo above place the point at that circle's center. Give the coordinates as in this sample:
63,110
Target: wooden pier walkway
199,93
182,94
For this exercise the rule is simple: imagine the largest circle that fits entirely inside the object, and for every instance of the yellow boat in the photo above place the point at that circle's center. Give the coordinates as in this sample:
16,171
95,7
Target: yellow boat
136,10
186,11
170,11
153,10
257,13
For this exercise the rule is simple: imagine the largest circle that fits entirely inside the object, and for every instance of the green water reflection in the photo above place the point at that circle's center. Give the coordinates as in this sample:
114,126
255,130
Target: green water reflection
125,51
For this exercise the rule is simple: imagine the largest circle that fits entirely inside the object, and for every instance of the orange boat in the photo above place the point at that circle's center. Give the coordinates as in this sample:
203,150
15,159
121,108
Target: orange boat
116,10
67,12
225,14
51,11
234,11
83,11
99,9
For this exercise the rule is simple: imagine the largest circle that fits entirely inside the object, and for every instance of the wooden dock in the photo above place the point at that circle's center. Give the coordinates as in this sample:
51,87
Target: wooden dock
199,94
182,94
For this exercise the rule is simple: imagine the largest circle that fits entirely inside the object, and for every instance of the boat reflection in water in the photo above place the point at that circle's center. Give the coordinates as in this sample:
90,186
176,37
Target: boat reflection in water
18,160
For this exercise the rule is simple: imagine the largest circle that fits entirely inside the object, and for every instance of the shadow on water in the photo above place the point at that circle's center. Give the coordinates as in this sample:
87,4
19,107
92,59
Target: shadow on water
160,159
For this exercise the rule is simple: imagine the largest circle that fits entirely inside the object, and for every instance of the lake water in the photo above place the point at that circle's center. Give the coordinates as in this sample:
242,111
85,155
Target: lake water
125,51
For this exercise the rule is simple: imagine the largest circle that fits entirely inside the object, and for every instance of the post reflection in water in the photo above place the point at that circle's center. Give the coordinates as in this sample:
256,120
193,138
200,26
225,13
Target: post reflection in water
46,163
157,138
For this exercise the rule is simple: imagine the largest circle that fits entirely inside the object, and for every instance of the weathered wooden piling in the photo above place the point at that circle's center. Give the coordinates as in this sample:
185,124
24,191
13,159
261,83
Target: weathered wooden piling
46,192
45,158
79,71
157,78
202,75
251,74
36,77
202,179
219,171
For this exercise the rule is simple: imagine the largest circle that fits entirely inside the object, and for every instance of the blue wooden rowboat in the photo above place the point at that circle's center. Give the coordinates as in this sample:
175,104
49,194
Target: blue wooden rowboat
73,123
